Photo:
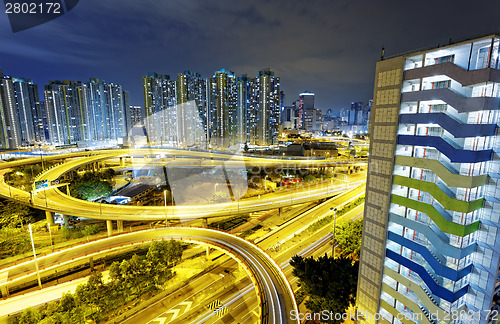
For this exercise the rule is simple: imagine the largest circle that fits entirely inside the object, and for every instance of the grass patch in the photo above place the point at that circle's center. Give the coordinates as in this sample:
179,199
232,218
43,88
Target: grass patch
324,221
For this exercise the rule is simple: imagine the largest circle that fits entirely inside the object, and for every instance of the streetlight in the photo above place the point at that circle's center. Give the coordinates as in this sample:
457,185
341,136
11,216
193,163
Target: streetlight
165,200
50,234
34,254
334,220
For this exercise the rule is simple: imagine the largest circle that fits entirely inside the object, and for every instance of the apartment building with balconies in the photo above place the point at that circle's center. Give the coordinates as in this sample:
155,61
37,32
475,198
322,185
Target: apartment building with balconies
431,231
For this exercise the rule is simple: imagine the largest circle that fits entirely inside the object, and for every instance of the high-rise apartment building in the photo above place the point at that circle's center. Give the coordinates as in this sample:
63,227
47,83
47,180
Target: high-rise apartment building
136,115
305,102
244,100
93,111
267,108
192,109
21,120
9,131
222,117
159,107
431,230
65,114
222,110
106,114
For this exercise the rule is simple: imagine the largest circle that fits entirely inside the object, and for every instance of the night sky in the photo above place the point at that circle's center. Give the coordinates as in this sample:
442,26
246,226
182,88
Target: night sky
329,47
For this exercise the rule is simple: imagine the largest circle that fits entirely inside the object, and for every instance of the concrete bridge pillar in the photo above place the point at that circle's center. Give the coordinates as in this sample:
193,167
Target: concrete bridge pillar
109,226
50,217
119,226
66,220
204,222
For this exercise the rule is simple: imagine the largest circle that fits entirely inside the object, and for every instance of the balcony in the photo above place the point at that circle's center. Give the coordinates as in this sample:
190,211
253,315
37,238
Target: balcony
453,71
460,103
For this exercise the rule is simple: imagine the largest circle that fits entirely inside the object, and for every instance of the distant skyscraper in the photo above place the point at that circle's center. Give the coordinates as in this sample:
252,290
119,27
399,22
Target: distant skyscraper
159,96
10,137
244,102
20,116
305,102
136,115
106,114
93,111
223,120
356,113
431,231
65,116
191,88
267,108
282,105
312,119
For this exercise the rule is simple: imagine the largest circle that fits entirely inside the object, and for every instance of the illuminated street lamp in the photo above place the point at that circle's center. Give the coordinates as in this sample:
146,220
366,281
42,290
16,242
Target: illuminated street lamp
165,200
50,234
34,255
334,220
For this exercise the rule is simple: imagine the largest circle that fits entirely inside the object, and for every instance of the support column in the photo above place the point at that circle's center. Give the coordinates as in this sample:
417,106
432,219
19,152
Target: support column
66,220
119,225
122,162
208,252
50,217
109,226
204,222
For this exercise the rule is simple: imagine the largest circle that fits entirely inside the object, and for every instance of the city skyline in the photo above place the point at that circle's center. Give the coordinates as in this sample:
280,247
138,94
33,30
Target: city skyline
324,48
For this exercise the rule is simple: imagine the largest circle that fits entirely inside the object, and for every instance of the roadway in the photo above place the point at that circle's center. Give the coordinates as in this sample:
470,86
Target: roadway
272,287
241,304
24,271
54,200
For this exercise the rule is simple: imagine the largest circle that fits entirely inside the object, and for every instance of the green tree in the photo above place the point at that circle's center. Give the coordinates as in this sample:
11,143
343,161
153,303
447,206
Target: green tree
89,186
107,174
348,237
67,302
29,316
161,256
91,229
13,214
309,178
329,283
13,241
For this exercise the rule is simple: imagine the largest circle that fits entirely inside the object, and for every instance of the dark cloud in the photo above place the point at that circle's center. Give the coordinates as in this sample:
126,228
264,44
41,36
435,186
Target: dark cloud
325,46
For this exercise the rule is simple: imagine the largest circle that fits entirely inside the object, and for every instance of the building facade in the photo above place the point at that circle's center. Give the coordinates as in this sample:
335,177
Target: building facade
86,112
431,229
136,115
21,118
159,108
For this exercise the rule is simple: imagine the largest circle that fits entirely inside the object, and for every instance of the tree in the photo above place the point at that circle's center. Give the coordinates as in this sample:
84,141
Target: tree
29,316
348,237
89,186
91,229
107,174
161,257
13,214
329,283
13,241
67,302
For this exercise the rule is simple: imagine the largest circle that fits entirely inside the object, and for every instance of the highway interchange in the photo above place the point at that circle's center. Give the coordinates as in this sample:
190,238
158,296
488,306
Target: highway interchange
273,289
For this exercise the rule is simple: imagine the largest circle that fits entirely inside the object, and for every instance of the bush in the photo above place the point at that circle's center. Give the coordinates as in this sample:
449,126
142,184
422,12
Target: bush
309,178
13,241
91,229
29,316
66,233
